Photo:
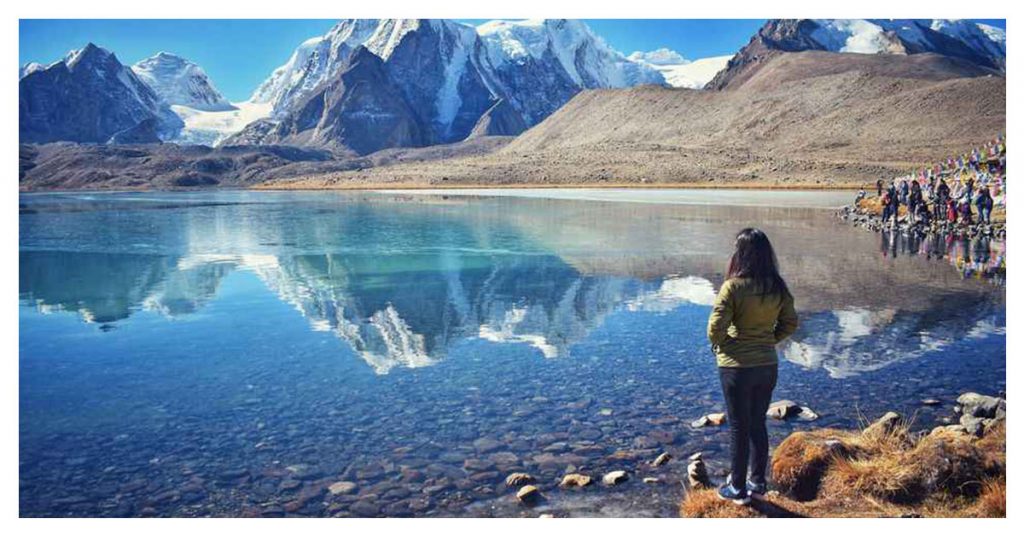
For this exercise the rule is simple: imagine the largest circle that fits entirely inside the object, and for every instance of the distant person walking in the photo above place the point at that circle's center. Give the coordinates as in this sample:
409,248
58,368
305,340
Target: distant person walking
752,313
878,186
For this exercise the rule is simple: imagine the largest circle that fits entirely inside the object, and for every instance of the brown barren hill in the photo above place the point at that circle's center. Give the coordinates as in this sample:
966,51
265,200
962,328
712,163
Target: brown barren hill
801,118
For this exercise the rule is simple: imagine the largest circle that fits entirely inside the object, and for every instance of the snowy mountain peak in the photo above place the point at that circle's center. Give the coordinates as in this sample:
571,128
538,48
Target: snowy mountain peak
978,44
90,96
30,68
178,81
588,60
313,62
962,38
89,54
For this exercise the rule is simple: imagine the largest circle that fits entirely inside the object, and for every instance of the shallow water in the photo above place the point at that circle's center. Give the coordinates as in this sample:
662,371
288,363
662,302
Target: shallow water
234,353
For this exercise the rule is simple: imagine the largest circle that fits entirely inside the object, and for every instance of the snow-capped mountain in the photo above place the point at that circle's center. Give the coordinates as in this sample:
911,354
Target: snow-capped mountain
180,82
585,56
90,96
679,71
538,65
451,76
971,40
976,43
312,63
980,37
29,68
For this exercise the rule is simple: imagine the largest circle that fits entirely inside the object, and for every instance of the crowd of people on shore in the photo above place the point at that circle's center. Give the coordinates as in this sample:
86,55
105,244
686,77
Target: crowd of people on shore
963,190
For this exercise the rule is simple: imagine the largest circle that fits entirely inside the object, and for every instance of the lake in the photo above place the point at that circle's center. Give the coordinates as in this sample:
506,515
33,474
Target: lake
236,353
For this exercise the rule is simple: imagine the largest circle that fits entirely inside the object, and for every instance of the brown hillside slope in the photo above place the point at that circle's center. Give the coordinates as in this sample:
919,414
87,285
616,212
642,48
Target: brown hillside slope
803,118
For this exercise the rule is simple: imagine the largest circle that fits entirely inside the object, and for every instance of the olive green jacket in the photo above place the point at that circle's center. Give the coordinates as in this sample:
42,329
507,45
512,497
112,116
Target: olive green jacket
745,325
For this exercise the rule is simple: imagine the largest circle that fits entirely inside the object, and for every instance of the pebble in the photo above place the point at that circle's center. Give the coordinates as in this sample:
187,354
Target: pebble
519,479
782,409
528,494
364,508
662,459
575,480
342,488
716,419
614,477
486,444
807,414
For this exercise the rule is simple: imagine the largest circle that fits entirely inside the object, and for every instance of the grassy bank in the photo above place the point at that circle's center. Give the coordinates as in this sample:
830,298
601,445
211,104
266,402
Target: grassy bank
882,471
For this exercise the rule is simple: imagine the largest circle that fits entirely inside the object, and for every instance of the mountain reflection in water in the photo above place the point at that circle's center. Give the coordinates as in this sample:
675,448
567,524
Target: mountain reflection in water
235,353
400,279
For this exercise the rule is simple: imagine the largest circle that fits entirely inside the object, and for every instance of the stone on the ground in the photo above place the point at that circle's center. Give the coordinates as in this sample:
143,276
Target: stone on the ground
716,419
785,409
614,477
518,479
975,426
651,480
528,494
574,480
807,414
885,424
342,488
696,456
978,405
931,402
782,409
662,459
486,444
697,475
700,422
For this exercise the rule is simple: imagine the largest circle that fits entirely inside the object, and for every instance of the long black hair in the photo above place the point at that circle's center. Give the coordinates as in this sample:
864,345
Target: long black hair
754,258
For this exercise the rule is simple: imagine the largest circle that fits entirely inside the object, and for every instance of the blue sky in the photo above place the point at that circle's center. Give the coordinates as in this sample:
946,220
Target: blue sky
239,53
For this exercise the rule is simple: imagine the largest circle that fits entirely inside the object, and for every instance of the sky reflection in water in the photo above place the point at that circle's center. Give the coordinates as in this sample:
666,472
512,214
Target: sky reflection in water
229,336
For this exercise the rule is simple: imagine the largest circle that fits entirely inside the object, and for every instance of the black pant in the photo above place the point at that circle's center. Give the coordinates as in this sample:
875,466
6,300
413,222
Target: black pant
748,393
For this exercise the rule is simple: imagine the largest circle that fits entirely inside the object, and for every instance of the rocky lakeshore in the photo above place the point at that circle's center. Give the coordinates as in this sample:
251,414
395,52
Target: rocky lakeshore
885,470
866,214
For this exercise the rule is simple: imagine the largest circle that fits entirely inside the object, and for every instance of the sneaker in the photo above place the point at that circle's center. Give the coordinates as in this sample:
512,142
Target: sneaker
756,490
729,493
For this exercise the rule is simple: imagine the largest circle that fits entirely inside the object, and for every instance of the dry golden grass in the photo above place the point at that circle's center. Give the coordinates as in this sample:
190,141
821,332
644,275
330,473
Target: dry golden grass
705,503
893,473
800,461
992,502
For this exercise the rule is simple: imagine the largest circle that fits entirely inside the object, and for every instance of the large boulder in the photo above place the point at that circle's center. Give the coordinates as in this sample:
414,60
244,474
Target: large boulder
885,425
983,406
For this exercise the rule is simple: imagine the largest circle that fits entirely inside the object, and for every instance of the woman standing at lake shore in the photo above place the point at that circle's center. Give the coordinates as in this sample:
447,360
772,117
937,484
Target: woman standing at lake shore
753,312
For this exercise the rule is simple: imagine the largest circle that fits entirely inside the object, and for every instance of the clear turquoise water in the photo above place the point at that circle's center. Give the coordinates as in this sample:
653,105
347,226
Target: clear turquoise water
234,353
